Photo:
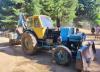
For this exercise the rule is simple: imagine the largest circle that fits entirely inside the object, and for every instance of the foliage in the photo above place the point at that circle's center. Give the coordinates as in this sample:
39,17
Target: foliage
33,7
97,19
62,9
9,12
97,16
89,9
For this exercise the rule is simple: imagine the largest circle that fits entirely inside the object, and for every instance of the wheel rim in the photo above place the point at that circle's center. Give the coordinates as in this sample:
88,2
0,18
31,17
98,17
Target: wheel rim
61,57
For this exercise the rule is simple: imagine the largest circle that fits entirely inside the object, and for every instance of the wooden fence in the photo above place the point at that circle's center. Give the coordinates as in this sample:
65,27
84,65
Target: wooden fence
93,37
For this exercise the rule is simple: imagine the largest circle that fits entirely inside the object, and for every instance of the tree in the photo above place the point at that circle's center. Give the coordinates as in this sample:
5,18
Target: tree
63,10
97,16
87,8
90,10
9,12
33,7
97,19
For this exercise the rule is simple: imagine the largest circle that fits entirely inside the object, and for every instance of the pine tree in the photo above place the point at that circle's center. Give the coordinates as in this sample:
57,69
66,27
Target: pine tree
97,16
33,7
9,11
63,10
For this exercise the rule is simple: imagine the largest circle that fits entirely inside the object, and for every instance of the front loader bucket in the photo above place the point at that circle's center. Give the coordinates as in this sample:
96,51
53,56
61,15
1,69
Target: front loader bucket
84,57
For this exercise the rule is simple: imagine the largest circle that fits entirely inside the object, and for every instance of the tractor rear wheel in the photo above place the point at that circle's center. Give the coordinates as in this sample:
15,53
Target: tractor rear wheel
29,42
62,55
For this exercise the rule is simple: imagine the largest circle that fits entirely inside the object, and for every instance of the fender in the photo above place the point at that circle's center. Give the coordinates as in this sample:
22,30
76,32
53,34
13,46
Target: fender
32,32
64,47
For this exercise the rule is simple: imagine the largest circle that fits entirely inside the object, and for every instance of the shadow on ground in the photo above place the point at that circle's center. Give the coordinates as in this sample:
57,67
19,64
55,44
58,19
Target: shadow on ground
4,44
41,57
98,56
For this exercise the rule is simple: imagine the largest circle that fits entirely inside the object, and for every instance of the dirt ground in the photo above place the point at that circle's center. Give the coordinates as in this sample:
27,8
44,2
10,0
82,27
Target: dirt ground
12,59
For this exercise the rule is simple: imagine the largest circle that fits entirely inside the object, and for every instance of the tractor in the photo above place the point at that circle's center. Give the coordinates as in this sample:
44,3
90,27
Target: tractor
41,34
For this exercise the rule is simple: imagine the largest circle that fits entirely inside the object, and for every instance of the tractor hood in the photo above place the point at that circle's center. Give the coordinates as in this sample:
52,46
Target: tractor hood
68,33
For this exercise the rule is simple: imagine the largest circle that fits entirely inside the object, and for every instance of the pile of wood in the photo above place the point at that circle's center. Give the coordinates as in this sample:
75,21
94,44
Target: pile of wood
14,42
13,39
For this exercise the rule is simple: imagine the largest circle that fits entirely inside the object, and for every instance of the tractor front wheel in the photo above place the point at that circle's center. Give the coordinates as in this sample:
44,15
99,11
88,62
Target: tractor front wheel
29,42
62,55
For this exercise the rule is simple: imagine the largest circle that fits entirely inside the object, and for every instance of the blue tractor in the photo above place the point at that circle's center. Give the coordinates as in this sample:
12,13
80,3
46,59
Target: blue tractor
70,43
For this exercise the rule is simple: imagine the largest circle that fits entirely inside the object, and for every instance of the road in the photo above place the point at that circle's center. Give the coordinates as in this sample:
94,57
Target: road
12,59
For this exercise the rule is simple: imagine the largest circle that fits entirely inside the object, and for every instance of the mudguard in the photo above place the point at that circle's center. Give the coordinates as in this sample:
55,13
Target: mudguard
31,31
